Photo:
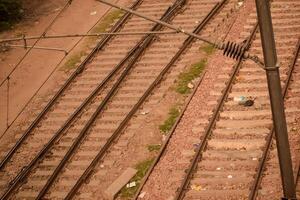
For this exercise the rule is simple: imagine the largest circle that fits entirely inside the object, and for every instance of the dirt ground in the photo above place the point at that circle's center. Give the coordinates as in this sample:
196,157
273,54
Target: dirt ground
78,18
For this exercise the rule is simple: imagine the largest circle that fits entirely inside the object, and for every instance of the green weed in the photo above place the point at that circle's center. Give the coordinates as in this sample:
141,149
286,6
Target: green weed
101,27
142,169
186,77
169,122
153,147
208,49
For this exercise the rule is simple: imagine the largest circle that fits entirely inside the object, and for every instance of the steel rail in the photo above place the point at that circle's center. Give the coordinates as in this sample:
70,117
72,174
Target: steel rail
139,50
219,45
100,155
24,172
268,145
196,158
297,174
48,77
80,68
22,175
183,48
170,26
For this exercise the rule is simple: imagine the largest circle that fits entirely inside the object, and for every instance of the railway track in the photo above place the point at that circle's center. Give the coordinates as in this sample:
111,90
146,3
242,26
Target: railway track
226,157
80,142
81,161
233,142
268,169
102,181
71,97
42,115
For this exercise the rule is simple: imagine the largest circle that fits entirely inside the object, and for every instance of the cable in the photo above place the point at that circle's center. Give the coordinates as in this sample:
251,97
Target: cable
85,35
230,49
48,77
42,35
36,47
7,103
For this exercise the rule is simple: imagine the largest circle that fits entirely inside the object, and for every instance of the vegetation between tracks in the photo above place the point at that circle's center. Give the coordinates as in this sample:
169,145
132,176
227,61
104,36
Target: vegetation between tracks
153,147
185,78
208,49
170,121
142,168
107,21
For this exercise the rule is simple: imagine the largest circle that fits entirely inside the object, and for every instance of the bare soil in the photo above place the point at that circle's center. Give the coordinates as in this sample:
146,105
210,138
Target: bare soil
78,18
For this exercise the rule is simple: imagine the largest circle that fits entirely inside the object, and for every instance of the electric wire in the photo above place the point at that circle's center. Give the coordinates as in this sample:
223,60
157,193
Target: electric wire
46,80
85,35
43,34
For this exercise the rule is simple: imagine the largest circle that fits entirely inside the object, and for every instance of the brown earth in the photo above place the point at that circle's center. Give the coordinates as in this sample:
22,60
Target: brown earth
78,18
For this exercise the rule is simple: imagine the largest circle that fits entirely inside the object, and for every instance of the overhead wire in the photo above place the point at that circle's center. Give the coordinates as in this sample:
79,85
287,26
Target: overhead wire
230,49
41,36
48,77
85,35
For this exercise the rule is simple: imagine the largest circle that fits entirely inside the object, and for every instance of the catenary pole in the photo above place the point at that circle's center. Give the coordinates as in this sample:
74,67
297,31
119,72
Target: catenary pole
276,99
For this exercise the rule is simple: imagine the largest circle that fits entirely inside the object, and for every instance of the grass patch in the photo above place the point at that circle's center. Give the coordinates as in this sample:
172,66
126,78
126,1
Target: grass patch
186,77
169,122
73,60
153,147
142,169
208,49
107,21
101,27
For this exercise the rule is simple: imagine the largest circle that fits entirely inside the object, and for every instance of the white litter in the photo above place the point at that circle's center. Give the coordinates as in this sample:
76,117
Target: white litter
130,185
145,112
229,176
142,195
190,85
93,13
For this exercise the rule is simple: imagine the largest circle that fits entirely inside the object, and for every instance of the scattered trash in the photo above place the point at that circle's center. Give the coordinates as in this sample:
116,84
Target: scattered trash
196,22
190,85
130,185
93,13
254,158
145,112
196,145
218,168
229,176
239,4
142,195
249,103
245,101
294,129
196,187
164,138
101,166
239,99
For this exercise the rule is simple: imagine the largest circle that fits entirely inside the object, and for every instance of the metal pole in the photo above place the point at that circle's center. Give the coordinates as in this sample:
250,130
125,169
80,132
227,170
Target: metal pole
276,99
